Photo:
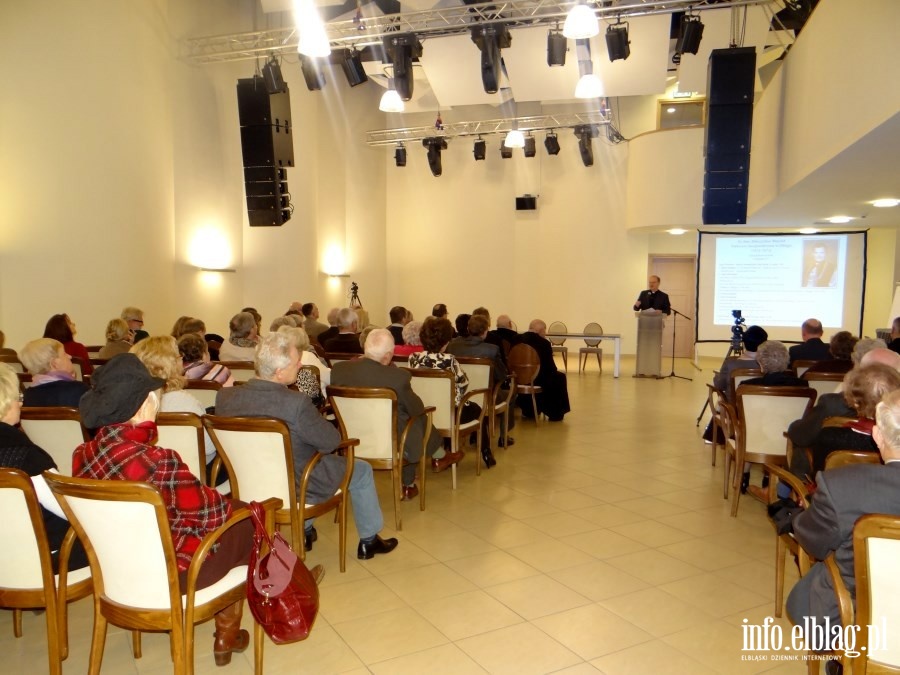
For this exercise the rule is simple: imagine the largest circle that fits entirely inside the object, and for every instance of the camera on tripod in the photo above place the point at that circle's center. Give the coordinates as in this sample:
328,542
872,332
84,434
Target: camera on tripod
737,331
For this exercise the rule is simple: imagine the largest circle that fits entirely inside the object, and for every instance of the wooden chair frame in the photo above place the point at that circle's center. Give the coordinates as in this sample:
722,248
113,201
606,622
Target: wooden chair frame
525,365
591,346
207,400
240,370
559,344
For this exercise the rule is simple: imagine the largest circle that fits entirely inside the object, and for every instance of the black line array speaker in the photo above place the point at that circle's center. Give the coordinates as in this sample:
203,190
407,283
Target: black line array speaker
729,120
267,149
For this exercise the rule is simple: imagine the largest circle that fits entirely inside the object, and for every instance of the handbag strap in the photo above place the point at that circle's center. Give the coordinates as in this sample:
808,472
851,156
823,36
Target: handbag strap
258,515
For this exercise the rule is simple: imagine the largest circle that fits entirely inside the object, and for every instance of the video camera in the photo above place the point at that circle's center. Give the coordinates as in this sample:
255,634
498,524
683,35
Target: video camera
737,331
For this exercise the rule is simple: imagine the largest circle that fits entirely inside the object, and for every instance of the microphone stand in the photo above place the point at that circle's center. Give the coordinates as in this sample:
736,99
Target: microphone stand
674,325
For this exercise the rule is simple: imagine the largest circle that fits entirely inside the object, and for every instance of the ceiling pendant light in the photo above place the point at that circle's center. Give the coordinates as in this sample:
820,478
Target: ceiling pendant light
581,22
514,139
313,39
390,100
589,86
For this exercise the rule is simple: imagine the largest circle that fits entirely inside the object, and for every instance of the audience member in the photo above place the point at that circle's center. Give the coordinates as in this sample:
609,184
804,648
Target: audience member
399,318
772,357
178,326
894,345
309,384
193,325
257,317
863,347
118,339
61,328
376,370
332,330
554,401
439,311
242,338
52,375
412,339
135,319
123,404
504,333
267,395
462,325
18,452
812,348
841,349
289,320
753,337
196,362
311,323
346,341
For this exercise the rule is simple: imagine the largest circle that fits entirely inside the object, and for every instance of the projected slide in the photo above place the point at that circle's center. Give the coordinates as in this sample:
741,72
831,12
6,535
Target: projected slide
778,281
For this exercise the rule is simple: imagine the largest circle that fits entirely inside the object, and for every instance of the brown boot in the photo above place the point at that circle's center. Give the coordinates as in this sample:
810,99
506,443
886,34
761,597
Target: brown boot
229,636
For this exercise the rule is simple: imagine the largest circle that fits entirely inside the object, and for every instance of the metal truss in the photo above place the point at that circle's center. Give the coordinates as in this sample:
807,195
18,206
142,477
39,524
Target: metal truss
487,127
364,31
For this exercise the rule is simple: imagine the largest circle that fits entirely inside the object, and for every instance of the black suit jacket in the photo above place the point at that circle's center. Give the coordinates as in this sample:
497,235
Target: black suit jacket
59,393
653,300
545,353
476,347
345,343
811,350
397,332
803,432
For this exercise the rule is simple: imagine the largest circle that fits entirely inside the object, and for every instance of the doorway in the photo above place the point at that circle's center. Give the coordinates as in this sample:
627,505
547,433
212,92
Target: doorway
678,278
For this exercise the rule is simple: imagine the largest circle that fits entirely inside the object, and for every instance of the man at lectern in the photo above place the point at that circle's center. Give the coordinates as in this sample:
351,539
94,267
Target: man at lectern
653,298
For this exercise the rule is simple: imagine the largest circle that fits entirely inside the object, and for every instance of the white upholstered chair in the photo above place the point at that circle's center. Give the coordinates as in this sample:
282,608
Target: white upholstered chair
58,430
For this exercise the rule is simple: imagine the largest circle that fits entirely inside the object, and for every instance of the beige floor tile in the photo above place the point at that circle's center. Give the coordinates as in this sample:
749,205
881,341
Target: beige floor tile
560,524
655,611
507,534
525,507
579,669
598,580
394,633
550,555
716,645
442,660
650,657
704,554
356,599
713,595
652,533
591,631
653,566
520,649
448,546
536,596
461,616
489,569
610,492
324,651
427,583
651,507
604,543
607,515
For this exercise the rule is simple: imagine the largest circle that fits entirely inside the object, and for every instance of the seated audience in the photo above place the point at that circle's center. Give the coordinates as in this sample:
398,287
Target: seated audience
257,317
554,401
311,323
134,317
505,330
178,327
62,329
435,336
347,340
118,339
812,348
52,375
192,325
842,497
242,339
306,381
772,357
332,330
18,452
412,341
439,311
894,345
267,395
462,325
123,404
400,316
841,349
290,320
196,361
376,370
753,337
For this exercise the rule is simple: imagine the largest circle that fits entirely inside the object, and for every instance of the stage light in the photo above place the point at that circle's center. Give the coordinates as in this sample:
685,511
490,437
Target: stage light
400,155
400,50
390,100
581,22
505,152
490,40
551,142
312,73
690,32
557,46
313,40
479,149
617,44
530,146
353,68
584,133
514,139
435,145
272,76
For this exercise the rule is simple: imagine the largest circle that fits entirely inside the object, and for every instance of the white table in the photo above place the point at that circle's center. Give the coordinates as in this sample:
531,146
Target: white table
615,337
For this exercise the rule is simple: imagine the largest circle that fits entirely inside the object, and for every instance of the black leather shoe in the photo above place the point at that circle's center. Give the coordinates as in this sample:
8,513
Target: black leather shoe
745,483
309,538
367,551
506,442
488,457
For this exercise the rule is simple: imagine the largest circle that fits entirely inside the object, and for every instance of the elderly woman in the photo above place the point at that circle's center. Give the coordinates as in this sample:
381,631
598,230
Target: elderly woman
17,452
306,382
196,362
178,326
161,358
118,339
841,347
242,339
435,336
773,358
62,329
52,375
411,341
290,320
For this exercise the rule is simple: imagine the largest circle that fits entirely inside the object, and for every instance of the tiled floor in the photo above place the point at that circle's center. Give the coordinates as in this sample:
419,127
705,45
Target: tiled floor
601,544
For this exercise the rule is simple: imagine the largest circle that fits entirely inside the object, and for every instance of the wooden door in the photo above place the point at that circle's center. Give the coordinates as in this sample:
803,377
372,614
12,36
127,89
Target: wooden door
678,278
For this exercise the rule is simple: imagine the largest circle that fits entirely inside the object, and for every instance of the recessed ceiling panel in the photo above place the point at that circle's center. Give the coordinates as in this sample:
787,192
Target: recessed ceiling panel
644,71
453,67
530,76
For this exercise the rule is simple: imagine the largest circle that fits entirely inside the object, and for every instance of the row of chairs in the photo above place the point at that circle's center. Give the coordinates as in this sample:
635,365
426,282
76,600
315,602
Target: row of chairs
591,345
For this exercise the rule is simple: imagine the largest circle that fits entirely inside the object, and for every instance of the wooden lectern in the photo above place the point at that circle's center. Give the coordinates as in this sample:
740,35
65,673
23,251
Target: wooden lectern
649,343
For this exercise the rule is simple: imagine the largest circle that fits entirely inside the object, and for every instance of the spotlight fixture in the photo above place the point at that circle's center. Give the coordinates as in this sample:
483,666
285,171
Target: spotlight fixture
584,133
581,22
505,152
400,155
435,144
557,46
479,149
390,99
490,40
400,50
272,76
530,146
690,32
353,68
617,44
313,40
514,139
312,73
551,142
885,203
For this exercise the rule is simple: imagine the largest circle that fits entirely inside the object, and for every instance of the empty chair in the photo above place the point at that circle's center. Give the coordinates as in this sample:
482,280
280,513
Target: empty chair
524,364
559,344
591,346
57,430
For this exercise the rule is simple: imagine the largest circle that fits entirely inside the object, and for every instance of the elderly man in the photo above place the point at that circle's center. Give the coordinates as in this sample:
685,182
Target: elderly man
554,401
134,317
311,323
332,329
812,348
267,395
376,370
843,496
400,316
652,298
347,339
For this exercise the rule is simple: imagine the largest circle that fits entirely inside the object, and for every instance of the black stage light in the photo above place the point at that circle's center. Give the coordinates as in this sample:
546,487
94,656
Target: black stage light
690,32
353,68
505,153
479,149
551,142
557,46
272,75
529,148
400,50
435,145
400,155
490,40
584,133
617,44
312,73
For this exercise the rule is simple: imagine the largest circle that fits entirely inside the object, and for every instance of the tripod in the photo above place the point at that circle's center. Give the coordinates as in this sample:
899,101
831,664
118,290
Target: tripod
736,348
355,302
674,327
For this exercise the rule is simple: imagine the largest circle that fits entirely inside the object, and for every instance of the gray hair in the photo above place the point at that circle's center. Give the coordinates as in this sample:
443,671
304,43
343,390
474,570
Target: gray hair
772,357
273,353
411,333
298,335
241,325
117,329
289,320
864,346
37,355
132,314
9,388
346,318
887,417
379,343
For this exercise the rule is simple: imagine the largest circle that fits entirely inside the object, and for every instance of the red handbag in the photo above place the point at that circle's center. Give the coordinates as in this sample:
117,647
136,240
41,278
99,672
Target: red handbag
281,591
